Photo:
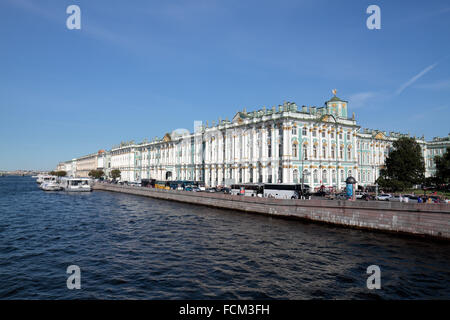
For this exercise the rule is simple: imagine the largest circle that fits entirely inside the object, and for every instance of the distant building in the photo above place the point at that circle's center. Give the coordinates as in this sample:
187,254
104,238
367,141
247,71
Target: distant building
284,144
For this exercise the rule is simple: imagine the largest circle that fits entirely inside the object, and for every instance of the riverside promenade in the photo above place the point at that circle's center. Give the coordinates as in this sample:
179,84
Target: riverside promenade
425,220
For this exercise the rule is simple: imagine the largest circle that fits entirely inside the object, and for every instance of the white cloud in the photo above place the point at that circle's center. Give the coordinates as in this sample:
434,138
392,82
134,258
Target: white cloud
361,99
415,78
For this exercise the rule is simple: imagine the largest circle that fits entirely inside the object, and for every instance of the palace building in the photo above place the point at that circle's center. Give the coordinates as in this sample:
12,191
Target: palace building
284,144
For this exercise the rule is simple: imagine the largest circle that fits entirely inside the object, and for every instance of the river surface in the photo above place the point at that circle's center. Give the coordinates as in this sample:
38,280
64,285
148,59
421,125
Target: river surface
131,247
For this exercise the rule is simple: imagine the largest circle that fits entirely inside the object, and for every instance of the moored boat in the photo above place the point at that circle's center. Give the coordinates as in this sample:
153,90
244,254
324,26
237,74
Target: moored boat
76,184
50,186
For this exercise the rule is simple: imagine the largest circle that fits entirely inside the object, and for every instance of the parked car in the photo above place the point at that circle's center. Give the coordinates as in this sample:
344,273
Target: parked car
359,195
367,197
411,198
341,196
394,198
211,190
383,197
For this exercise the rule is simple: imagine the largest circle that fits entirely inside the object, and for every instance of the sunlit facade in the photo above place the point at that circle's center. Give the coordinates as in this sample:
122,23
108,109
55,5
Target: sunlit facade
283,144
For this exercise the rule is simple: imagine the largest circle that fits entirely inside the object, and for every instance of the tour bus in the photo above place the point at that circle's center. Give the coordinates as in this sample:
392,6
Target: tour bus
285,191
150,183
247,189
162,185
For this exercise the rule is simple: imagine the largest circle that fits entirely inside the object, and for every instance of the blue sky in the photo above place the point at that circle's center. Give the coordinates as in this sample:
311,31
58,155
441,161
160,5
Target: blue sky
139,69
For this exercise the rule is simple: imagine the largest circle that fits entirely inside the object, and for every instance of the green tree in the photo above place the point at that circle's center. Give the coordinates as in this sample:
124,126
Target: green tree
96,174
115,174
443,167
405,166
60,173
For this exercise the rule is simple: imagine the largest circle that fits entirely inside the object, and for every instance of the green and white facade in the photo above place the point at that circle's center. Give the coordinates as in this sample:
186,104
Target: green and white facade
271,145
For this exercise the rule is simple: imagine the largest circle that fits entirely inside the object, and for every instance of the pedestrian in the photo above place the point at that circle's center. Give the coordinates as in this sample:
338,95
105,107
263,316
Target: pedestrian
419,200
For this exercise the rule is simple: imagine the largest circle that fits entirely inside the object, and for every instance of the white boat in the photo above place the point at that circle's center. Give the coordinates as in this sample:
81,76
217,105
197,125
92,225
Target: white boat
45,178
50,186
76,184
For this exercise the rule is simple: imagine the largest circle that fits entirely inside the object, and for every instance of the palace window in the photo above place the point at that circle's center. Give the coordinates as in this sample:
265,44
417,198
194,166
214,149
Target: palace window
314,152
332,135
314,133
315,176
294,131
304,131
324,152
342,175
324,176
305,152
294,150
332,152
348,135
349,153
349,173
341,152
295,176
333,176
305,176
323,134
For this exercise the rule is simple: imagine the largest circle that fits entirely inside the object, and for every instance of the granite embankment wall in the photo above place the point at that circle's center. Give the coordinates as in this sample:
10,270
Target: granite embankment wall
431,220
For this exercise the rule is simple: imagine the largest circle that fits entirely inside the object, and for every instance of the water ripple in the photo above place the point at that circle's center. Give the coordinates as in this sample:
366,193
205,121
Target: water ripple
130,247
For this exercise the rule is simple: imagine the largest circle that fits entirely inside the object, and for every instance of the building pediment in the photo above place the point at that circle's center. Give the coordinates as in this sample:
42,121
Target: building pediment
380,135
238,118
167,137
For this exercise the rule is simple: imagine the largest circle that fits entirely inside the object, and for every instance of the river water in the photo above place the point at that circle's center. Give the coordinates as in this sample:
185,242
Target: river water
131,247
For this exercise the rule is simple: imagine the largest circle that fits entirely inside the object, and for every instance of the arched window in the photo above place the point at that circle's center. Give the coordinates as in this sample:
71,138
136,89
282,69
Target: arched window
332,152
342,175
294,150
349,153
295,176
315,176
294,130
349,173
333,176
305,152
324,176
364,176
324,152
314,151
306,176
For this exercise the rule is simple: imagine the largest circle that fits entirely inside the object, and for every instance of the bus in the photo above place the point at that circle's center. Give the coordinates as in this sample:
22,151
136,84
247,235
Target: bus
149,183
162,185
285,191
247,189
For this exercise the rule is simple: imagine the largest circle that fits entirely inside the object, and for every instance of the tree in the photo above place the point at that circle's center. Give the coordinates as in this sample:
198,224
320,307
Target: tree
115,174
60,173
443,167
405,166
96,174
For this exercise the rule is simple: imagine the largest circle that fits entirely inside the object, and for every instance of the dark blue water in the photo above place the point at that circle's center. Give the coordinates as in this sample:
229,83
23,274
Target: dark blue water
131,247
